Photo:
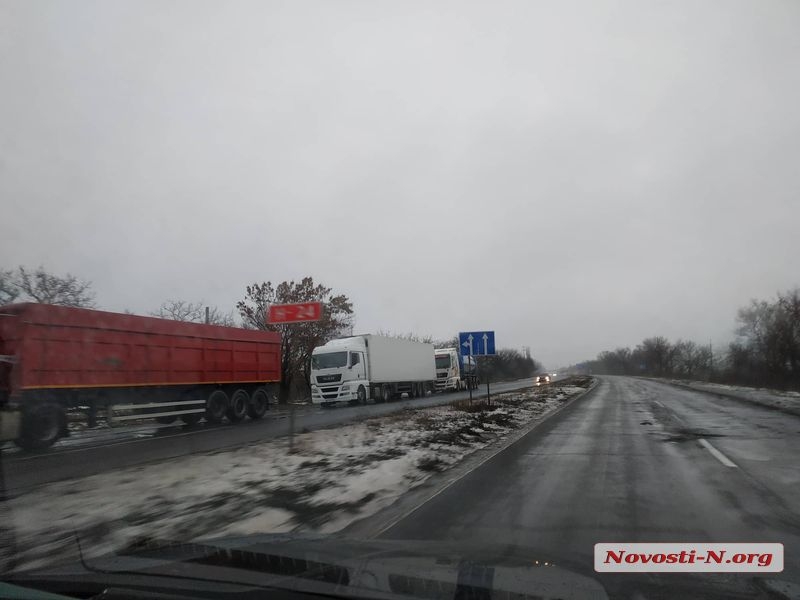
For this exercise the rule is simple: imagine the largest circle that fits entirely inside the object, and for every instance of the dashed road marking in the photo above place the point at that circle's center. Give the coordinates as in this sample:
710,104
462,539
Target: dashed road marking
717,454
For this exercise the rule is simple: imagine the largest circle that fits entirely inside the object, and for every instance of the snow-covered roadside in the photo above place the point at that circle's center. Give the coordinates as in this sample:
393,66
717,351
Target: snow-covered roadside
786,401
334,477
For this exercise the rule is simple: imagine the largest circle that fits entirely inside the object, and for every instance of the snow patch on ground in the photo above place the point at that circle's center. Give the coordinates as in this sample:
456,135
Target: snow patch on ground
789,401
333,477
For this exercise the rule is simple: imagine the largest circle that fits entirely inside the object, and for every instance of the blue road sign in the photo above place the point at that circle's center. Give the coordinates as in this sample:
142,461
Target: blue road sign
476,343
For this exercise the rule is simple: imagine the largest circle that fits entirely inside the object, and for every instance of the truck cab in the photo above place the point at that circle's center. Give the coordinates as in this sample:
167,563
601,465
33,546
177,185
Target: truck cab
448,372
338,371
455,372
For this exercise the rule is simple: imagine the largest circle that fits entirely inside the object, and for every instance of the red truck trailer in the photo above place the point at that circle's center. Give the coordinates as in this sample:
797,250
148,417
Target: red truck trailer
54,359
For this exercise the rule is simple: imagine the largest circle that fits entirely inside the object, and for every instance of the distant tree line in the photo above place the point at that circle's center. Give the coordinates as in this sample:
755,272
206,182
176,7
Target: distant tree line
766,351
506,365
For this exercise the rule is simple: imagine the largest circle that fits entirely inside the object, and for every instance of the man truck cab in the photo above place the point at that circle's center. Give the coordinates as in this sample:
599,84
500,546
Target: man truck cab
455,372
338,372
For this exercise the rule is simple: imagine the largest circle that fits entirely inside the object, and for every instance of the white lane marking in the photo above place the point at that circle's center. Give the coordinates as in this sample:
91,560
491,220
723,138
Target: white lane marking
677,418
659,403
717,454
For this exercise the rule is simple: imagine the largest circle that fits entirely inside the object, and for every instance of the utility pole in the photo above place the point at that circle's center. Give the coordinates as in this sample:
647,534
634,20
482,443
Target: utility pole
710,360
207,316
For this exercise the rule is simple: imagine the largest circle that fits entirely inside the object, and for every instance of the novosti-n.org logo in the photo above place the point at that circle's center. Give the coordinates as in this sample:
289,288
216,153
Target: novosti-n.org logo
674,557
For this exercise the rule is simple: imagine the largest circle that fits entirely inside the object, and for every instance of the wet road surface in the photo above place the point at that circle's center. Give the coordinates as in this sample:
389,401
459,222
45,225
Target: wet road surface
632,461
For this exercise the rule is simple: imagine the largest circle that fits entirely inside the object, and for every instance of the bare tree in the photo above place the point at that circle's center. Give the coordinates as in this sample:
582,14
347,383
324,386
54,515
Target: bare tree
451,343
217,317
8,287
193,312
46,288
298,340
657,355
180,310
425,339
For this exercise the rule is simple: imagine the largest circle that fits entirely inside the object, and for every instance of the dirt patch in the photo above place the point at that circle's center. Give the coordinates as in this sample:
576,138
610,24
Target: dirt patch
431,464
306,511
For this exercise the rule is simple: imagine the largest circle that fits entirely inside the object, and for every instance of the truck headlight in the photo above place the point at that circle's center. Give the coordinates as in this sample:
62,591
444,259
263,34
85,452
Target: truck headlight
346,387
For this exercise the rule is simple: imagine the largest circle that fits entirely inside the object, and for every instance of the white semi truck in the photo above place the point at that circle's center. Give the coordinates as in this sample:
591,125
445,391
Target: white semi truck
455,372
362,367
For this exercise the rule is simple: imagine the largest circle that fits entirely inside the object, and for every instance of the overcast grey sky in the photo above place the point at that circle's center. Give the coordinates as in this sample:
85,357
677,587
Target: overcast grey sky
574,175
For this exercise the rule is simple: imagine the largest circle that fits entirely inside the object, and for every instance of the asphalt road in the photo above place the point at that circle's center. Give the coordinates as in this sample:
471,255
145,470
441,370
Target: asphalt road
627,463
95,452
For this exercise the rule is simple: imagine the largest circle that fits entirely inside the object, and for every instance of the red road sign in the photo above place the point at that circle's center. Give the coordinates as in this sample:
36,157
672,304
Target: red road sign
294,313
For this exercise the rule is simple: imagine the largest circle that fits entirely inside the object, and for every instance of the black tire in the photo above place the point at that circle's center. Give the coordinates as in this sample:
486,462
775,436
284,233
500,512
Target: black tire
361,394
259,405
166,420
380,395
42,425
237,408
216,406
191,418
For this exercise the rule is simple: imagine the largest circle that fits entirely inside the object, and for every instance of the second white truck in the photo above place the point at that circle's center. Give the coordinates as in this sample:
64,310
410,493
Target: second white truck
455,372
362,367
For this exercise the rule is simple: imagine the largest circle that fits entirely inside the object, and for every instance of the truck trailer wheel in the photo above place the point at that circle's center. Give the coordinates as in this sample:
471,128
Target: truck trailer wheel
41,426
237,410
259,404
216,406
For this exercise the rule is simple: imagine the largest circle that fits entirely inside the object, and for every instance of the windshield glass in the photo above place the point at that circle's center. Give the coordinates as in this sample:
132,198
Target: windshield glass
329,360
235,235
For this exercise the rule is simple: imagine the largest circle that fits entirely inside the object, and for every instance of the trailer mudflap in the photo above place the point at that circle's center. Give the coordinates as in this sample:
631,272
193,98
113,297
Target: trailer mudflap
10,421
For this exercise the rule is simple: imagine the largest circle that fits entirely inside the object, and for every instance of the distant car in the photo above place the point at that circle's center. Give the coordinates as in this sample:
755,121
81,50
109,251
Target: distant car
543,379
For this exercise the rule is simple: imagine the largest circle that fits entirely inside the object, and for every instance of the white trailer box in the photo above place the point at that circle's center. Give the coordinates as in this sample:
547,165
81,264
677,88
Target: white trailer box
396,359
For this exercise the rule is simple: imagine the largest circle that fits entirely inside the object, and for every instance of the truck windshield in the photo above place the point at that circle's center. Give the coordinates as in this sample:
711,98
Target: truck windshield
443,362
331,360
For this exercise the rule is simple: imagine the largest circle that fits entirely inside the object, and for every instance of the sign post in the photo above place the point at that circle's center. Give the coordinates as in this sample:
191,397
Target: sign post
282,314
477,343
